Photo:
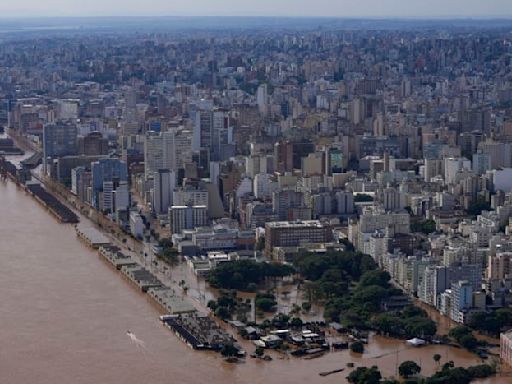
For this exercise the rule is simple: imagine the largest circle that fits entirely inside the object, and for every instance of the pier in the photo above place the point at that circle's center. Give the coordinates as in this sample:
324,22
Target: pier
45,198
59,210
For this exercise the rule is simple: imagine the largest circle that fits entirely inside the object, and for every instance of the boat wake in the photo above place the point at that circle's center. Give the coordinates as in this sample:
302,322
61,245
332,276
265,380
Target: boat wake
135,340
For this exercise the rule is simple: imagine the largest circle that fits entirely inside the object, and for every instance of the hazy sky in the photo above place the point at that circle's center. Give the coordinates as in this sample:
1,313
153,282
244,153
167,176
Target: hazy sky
342,8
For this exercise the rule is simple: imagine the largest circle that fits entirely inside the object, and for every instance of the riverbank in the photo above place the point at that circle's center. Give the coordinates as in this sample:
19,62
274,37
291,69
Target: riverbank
46,199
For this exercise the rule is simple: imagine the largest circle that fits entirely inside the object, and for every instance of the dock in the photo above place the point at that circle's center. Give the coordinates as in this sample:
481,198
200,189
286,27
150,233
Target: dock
92,237
141,277
170,301
59,210
115,256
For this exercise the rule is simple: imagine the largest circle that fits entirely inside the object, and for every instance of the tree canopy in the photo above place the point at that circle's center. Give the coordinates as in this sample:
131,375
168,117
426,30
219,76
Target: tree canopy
364,375
243,274
408,368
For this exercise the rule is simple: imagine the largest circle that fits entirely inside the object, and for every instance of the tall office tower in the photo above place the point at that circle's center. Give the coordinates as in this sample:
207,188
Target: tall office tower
262,98
454,165
93,144
107,175
59,140
481,163
115,196
182,148
500,153
163,188
153,154
187,217
220,135
203,126
212,132
168,150
345,202
283,157
284,200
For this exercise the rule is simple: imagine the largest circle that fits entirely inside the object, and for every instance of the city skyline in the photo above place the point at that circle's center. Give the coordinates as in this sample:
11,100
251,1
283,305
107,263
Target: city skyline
287,8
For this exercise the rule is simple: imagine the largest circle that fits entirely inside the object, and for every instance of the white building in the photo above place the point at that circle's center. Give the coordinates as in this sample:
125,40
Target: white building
187,217
264,186
452,165
190,197
136,225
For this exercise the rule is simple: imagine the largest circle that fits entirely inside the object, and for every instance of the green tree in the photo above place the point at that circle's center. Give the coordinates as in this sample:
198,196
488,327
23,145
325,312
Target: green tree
376,277
468,341
437,358
242,274
296,322
408,368
222,312
357,347
212,304
419,327
459,331
481,371
265,302
477,206
259,351
364,375
228,350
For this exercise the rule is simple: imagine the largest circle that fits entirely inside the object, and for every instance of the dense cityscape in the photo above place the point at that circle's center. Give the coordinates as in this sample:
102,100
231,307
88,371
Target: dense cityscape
284,192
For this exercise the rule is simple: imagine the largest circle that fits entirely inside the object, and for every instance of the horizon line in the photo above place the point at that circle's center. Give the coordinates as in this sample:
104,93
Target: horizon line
338,17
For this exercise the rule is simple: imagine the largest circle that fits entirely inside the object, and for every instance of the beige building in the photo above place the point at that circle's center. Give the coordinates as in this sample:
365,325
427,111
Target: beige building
506,348
498,267
294,233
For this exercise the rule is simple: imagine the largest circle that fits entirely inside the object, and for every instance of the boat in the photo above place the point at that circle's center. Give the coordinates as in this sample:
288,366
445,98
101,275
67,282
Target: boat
323,374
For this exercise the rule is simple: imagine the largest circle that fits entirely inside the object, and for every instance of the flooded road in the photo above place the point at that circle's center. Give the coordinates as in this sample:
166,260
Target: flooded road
64,314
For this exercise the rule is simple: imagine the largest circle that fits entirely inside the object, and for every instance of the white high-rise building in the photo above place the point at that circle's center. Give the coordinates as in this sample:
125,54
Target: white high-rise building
262,98
264,186
168,150
187,217
153,154
453,165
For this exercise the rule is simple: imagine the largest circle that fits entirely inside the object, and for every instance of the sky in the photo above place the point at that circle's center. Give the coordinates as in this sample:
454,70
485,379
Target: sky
337,8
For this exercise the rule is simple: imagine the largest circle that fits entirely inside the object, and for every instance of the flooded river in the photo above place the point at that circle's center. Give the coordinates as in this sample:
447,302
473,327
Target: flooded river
64,314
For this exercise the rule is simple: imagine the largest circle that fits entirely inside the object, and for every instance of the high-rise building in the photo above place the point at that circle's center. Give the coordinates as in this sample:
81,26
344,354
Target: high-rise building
107,175
262,98
499,266
284,200
212,132
345,202
461,300
153,154
163,188
93,144
59,140
187,217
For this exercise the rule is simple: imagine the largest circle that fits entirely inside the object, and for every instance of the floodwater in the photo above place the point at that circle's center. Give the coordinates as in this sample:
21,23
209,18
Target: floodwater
64,314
